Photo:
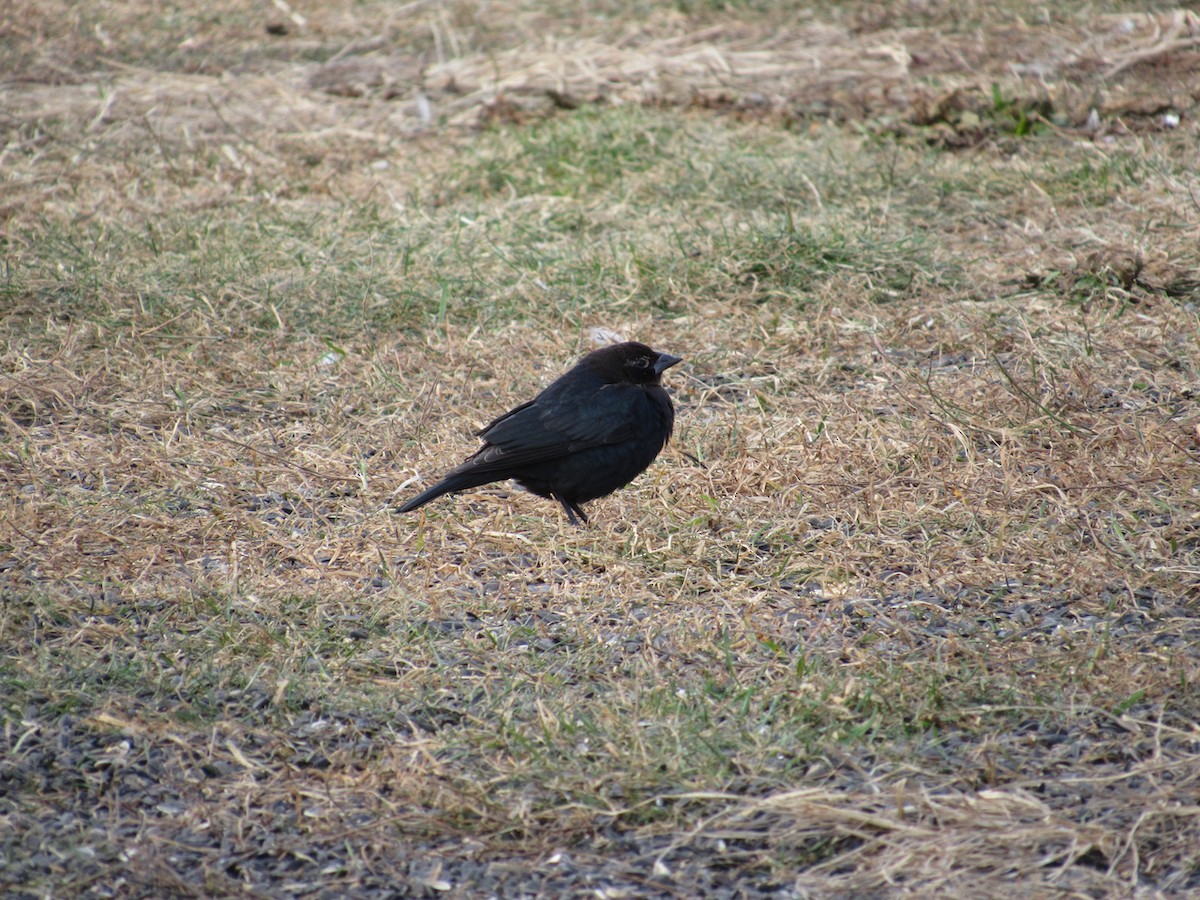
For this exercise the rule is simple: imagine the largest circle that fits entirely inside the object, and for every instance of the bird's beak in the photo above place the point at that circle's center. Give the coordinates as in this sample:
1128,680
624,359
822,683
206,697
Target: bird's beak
665,361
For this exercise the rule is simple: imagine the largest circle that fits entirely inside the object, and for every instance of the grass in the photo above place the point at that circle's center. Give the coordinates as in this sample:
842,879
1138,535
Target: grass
907,607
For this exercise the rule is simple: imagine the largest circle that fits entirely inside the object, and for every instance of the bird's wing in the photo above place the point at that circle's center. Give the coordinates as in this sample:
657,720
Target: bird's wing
554,425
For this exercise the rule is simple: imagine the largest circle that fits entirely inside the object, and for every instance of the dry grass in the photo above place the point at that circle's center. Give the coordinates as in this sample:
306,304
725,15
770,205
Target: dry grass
908,608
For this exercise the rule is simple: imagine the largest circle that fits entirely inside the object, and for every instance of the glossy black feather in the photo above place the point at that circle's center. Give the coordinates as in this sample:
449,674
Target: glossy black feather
587,434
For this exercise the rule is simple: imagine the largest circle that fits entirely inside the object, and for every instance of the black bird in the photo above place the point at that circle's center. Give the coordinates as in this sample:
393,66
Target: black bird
590,432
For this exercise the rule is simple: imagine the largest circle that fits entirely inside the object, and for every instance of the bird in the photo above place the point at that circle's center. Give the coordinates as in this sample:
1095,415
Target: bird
591,431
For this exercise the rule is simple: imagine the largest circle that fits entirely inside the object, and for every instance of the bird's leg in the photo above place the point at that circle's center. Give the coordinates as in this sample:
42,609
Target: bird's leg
572,509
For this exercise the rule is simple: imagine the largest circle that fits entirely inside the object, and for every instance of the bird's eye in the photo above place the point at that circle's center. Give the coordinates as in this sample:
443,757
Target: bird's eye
641,363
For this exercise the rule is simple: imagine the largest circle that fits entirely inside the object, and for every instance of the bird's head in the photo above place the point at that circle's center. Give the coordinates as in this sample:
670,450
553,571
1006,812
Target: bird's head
630,362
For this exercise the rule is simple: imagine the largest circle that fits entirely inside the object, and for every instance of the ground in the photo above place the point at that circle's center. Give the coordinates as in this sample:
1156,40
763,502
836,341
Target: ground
908,607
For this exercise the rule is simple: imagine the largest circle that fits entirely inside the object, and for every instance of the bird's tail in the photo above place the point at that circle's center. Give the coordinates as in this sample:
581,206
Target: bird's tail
448,485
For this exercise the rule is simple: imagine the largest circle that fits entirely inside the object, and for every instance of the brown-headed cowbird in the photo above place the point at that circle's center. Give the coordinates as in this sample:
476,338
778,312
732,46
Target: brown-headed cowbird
590,432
